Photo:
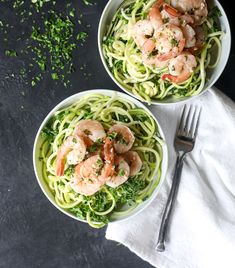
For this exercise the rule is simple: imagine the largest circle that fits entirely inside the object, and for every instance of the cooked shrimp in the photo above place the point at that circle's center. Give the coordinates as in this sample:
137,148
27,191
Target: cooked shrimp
152,47
189,34
200,39
173,16
148,46
124,138
169,41
91,129
134,161
108,151
92,167
196,8
123,172
141,31
109,156
88,179
74,149
180,68
155,15
148,56
108,171
171,11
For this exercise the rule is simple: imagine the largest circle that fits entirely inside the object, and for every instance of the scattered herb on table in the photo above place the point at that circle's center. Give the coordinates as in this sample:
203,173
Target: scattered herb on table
10,53
52,41
54,46
82,36
87,2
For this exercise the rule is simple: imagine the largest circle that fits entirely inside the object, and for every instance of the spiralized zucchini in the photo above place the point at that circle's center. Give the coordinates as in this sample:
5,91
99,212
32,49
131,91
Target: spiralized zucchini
98,209
125,62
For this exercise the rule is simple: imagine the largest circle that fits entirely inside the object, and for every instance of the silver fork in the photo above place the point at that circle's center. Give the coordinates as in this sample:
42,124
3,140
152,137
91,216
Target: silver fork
184,143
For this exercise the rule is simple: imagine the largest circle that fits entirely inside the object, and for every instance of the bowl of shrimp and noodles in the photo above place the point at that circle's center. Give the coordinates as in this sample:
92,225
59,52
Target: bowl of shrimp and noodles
100,156
164,52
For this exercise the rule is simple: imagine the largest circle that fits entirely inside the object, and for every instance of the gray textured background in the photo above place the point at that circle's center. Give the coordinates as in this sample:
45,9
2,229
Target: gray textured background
32,232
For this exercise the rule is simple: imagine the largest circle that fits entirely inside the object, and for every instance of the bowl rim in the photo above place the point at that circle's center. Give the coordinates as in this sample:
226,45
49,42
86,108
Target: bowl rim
158,102
108,92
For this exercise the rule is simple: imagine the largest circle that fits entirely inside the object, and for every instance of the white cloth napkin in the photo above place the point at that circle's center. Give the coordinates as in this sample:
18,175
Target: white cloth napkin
202,229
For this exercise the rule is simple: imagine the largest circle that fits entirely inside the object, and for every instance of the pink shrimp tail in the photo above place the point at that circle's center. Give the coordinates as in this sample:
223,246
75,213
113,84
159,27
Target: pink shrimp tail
155,15
109,151
148,46
182,44
171,10
86,139
59,167
109,171
175,79
159,3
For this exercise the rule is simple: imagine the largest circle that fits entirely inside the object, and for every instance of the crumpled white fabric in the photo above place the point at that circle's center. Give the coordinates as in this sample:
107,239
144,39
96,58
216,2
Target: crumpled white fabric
202,229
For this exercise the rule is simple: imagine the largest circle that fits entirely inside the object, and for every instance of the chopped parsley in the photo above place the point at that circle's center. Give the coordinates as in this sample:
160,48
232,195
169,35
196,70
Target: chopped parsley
99,141
166,20
109,40
50,42
121,172
87,2
214,12
93,148
153,53
10,53
174,42
87,132
70,170
54,46
99,162
74,140
82,36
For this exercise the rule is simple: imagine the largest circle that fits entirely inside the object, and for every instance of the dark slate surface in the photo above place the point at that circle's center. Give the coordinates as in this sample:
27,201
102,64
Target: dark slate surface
32,232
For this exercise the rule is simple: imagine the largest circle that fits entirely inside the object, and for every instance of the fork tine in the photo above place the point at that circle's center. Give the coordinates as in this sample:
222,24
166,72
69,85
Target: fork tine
192,124
197,124
187,120
181,124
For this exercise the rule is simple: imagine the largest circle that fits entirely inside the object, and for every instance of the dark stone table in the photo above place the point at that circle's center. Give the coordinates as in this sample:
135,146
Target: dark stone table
32,232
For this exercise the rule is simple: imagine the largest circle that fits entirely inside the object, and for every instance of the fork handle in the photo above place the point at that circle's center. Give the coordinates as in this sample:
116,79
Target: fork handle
170,203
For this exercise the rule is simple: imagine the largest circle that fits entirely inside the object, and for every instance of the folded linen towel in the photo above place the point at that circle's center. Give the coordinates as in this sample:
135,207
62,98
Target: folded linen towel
202,229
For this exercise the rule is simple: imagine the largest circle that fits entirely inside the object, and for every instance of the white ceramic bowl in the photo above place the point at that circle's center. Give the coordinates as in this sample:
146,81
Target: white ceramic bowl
39,140
215,73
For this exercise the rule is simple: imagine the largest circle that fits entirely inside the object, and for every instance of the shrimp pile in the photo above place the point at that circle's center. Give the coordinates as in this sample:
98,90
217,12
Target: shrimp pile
99,157
170,36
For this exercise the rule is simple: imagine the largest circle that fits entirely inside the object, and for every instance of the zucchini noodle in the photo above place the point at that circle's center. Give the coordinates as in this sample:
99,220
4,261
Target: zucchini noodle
125,62
98,209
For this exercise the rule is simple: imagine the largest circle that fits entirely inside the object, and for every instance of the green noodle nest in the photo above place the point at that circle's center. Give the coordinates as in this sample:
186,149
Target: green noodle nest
99,208
124,59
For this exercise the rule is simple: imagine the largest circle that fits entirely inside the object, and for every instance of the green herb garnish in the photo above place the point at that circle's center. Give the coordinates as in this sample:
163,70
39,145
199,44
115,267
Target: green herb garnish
99,162
121,172
92,148
10,53
87,2
214,13
82,36
174,42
